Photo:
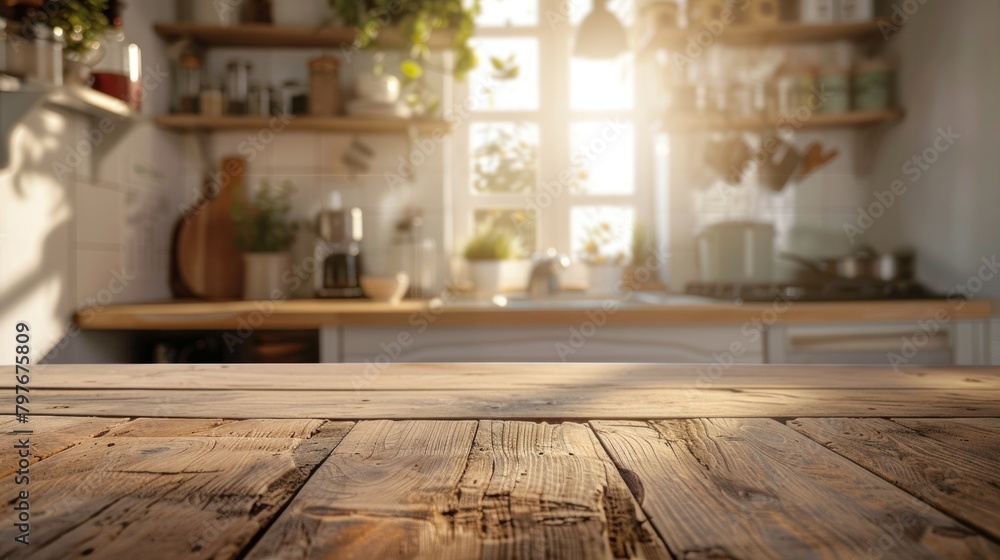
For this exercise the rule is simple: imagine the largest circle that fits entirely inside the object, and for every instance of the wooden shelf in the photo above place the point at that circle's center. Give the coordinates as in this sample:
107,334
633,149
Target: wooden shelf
694,123
364,125
780,34
274,36
17,99
89,102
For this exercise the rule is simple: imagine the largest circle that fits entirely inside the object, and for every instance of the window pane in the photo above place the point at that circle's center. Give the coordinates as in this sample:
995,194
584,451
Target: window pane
624,10
504,157
514,221
508,13
601,84
601,232
507,76
603,157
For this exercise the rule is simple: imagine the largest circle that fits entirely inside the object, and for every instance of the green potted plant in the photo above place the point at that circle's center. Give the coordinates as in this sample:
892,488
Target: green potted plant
81,23
416,20
604,263
487,252
264,233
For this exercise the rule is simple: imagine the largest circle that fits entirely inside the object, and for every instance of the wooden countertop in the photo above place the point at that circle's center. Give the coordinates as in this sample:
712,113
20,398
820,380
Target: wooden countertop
311,314
507,461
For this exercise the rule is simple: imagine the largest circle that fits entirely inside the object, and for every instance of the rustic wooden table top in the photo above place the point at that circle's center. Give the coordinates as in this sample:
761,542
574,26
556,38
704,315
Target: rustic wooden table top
506,461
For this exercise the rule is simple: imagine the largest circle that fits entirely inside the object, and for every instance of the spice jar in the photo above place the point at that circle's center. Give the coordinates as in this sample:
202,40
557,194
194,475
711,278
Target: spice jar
188,84
212,102
324,87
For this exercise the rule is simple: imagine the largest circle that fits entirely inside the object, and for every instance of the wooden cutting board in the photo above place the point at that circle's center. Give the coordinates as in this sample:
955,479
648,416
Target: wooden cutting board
205,262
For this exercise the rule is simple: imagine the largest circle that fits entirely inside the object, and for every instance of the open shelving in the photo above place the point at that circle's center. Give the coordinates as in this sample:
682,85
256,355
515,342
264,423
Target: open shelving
695,123
366,125
776,34
17,99
276,36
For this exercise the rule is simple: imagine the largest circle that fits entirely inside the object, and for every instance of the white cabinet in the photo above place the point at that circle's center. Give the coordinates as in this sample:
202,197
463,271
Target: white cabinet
484,343
922,343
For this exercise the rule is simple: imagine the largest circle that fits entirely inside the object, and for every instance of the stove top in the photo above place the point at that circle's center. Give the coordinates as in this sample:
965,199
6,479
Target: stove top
825,290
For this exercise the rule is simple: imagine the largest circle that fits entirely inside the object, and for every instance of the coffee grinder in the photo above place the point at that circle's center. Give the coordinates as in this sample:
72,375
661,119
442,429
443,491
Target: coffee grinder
338,251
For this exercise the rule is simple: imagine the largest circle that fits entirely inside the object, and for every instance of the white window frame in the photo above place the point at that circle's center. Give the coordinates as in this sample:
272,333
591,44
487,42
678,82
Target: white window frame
554,118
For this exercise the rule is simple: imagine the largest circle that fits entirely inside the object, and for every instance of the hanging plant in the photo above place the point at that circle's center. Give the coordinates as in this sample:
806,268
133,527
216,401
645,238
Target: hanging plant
417,20
82,22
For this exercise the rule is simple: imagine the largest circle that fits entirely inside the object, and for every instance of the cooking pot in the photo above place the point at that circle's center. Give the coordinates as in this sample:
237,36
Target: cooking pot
736,252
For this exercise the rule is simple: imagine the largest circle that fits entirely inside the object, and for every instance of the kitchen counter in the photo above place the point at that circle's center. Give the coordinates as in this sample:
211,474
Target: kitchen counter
680,310
508,461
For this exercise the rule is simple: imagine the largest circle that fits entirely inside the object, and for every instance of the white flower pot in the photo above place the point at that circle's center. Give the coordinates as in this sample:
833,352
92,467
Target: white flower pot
380,89
486,276
262,275
311,13
492,277
603,279
217,12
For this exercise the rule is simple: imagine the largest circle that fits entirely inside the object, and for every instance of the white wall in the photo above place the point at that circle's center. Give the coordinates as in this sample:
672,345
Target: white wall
949,78
70,238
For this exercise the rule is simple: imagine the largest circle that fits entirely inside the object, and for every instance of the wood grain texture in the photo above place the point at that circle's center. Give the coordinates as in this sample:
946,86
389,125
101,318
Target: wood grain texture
752,488
311,314
51,434
979,436
505,376
463,490
201,427
558,403
168,497
961,483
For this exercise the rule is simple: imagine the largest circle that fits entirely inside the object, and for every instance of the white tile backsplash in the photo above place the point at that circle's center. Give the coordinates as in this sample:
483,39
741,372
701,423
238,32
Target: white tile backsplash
100,214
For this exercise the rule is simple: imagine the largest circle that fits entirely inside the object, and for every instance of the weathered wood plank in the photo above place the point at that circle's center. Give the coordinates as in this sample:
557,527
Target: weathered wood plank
458,490
565,403
478,377
979,436
203,427
50,435
963,484
752,488
168,497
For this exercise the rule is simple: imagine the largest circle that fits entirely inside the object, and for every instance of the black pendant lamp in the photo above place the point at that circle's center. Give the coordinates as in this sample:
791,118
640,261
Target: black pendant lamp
601,35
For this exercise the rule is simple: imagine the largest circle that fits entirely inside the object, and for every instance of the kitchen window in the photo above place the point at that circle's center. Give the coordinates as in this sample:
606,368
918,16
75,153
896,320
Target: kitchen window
550,152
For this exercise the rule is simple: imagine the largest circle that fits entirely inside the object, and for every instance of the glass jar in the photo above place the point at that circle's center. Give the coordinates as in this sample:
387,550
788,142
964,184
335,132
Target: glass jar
872,86
212,102
835,90
324,86
237,86
293,98
31,52
188,84
111,73
259,100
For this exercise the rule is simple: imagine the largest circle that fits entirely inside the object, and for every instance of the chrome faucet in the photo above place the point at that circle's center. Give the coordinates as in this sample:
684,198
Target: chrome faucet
544,277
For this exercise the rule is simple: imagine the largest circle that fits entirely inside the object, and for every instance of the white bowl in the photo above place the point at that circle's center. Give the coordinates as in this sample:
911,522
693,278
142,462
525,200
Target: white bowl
385,288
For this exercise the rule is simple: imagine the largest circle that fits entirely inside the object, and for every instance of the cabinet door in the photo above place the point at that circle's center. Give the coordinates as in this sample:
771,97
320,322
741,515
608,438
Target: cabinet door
582,343
923,343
